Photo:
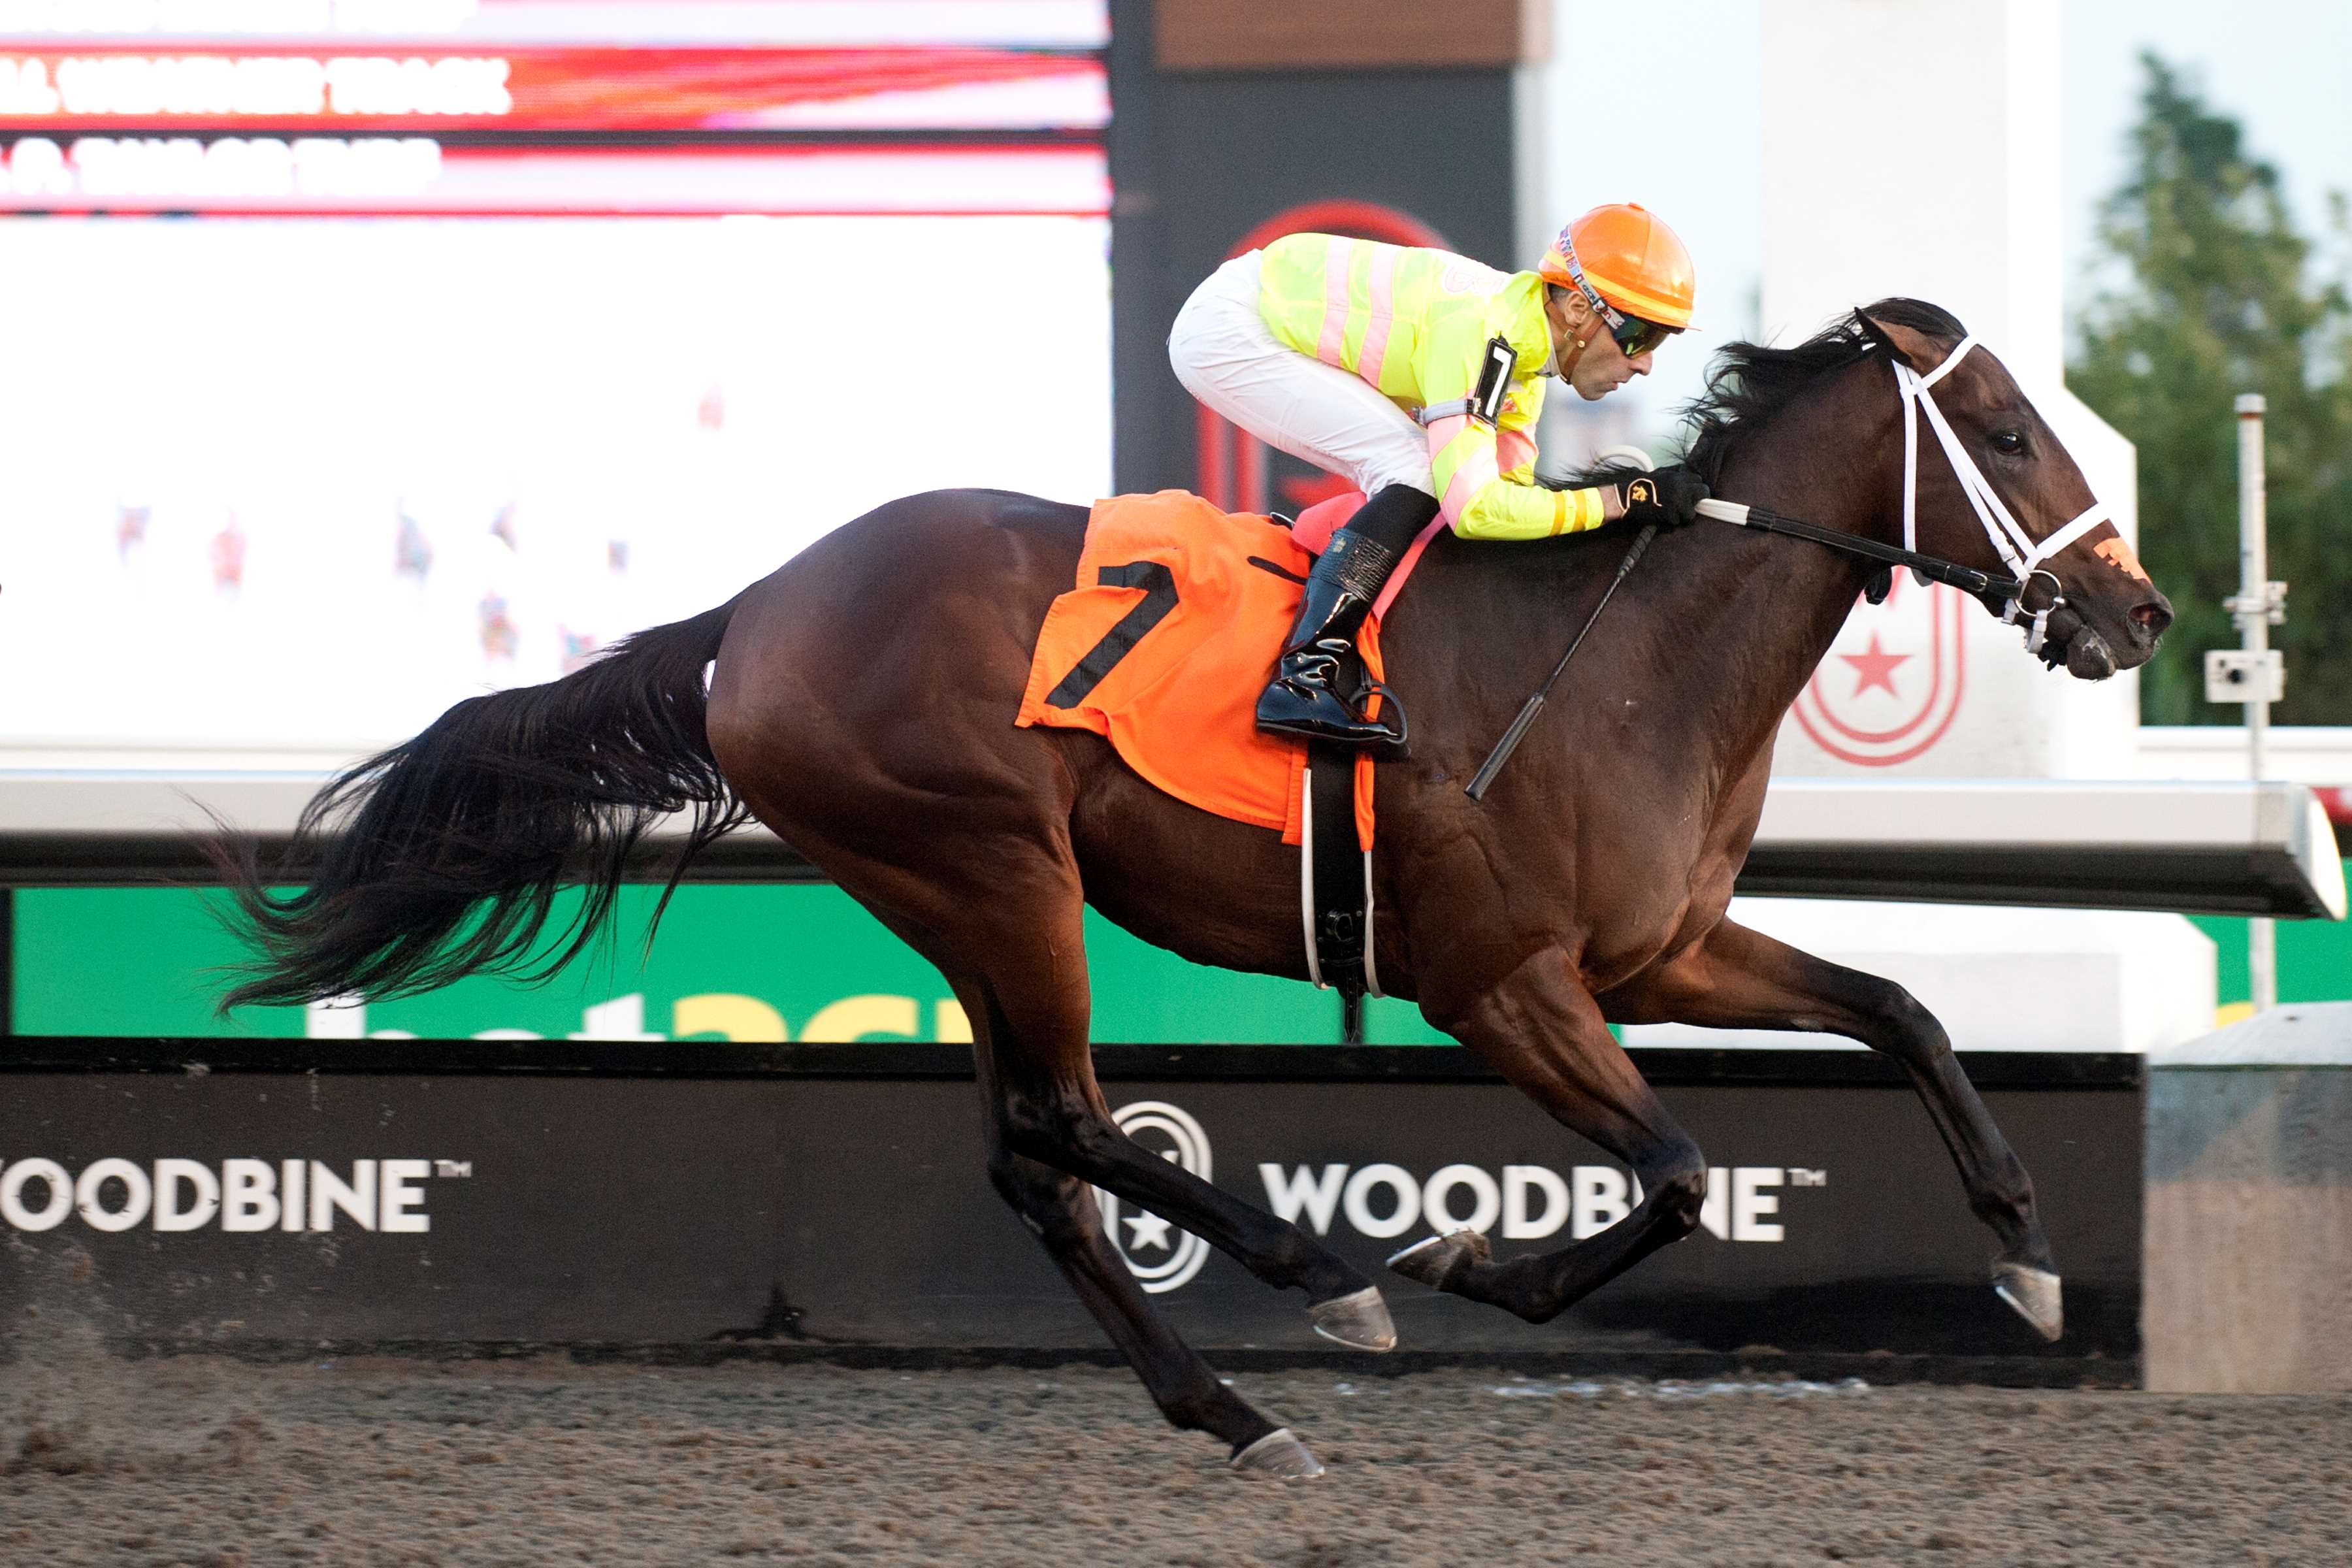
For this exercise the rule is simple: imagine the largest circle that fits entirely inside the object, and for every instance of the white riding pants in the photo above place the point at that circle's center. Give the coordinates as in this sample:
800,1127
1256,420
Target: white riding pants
1227,357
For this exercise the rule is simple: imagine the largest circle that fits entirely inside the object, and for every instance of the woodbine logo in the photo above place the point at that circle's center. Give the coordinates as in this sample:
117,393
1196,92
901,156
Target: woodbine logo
1530,1202
234,1195
1384,1201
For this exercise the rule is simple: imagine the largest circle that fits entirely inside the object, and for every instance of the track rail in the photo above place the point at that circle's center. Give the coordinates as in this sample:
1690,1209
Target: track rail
2238,848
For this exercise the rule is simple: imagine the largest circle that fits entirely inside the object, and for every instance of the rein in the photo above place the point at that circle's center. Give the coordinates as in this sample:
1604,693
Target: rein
2019,550
1931,568
1485,778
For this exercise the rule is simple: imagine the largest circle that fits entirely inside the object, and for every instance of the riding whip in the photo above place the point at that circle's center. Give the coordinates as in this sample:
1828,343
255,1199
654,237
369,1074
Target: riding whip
1517,732
1930,568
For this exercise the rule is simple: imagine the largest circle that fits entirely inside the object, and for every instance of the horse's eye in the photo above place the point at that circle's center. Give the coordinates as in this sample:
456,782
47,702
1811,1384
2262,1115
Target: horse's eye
2009,442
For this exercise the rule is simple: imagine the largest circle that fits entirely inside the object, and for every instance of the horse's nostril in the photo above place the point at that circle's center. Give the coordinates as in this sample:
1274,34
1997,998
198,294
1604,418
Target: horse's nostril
2152,617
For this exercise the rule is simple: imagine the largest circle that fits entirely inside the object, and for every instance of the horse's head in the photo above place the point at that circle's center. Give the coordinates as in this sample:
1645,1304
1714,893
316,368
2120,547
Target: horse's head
1995,488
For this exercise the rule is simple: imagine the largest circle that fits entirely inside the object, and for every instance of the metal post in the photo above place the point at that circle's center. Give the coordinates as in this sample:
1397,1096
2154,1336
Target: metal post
2252,610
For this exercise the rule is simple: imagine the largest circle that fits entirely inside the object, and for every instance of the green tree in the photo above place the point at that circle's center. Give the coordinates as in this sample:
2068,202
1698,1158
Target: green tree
2222,299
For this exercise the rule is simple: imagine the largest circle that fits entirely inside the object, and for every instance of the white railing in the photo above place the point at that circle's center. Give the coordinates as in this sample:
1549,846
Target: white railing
2229,848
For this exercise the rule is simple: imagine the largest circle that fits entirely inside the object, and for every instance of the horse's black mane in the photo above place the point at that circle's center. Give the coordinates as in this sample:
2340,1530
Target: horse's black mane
1748,383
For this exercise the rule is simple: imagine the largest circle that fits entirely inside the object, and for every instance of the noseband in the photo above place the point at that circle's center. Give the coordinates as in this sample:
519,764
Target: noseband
2019,550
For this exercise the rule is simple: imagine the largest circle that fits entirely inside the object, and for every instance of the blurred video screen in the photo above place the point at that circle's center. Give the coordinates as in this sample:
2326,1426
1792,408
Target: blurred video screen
364,355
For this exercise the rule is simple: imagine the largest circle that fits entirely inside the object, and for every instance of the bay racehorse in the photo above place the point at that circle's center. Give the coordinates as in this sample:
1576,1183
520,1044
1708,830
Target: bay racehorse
862,703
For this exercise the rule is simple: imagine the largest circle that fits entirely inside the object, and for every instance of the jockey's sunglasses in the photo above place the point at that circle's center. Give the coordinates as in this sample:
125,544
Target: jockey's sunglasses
1635,337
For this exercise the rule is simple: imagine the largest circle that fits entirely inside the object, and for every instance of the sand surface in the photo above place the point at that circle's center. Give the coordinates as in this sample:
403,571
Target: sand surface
194,1460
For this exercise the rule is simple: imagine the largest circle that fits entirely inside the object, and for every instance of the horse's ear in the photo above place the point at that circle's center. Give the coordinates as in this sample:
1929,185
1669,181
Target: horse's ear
1913,347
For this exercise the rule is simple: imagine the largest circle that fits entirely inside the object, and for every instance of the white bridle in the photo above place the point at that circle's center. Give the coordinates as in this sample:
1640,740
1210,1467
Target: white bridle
2019,550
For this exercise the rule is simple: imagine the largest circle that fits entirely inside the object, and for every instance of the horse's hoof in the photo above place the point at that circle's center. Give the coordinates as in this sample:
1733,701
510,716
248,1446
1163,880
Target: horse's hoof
2035,1295
1278,1456
1440,1260
1359,1320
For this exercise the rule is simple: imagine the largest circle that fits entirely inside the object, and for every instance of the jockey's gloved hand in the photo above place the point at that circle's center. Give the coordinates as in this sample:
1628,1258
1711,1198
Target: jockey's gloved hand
1668,497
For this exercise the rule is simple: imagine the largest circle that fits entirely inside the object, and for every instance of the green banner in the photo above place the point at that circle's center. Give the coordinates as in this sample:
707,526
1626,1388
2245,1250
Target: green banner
758,963
2315,961
737,962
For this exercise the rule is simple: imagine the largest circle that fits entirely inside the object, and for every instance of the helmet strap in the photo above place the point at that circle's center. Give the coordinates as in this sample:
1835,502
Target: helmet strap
1564,358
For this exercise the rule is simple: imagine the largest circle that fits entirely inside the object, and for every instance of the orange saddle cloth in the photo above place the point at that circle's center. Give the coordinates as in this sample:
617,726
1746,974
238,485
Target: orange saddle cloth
1164,645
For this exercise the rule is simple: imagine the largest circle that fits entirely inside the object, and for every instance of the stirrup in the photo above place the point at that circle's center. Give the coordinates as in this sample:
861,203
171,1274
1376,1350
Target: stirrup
1401,730
1386,743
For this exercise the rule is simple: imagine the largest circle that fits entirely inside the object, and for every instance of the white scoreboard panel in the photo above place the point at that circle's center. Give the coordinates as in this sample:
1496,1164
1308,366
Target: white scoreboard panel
366,355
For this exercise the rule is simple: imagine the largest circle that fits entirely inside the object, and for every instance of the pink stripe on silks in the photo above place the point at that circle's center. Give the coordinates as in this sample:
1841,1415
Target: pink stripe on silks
1513,450
1441,431
1468,477
1382,281
1459,491
1331,344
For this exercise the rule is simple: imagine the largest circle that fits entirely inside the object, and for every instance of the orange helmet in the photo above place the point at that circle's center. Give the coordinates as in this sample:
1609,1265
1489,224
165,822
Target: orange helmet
1629,259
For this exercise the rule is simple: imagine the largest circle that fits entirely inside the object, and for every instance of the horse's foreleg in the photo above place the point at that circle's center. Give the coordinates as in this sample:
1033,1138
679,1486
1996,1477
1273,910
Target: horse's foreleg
1542,1031
1741,979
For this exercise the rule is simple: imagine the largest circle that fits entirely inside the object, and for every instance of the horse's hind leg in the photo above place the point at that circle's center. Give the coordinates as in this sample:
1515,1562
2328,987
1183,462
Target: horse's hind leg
1543,1031
1005,924
1061,1209
1032,987
1742,979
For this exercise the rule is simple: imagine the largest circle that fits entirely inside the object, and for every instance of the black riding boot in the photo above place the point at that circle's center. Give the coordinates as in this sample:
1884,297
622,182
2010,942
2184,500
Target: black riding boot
1303,701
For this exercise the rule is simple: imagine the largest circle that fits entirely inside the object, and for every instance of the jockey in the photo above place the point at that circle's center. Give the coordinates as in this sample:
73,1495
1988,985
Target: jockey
1417,375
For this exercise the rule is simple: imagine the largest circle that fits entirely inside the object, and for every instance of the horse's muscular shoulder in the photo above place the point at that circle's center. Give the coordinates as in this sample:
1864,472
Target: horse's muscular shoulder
1722,851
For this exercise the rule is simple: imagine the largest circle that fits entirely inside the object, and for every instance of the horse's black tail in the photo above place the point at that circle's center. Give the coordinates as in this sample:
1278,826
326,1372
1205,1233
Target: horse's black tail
444,855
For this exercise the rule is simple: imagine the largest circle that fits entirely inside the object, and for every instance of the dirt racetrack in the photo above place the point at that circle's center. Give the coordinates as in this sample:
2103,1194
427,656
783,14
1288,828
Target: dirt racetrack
197,1460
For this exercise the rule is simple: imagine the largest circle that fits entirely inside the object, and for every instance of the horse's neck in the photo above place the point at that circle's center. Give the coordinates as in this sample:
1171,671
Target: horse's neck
1735,622
1709,639
1771,606
1717,630
1745,625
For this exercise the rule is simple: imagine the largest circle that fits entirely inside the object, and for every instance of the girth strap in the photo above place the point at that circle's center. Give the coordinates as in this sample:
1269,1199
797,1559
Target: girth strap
1334,875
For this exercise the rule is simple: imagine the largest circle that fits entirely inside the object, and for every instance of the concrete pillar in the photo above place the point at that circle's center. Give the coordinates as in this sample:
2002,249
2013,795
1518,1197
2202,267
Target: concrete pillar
1911,147
2247,1233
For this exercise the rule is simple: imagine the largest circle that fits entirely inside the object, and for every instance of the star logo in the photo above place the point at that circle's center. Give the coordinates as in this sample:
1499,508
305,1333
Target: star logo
1874,667
1146,1229
1159,1256
1899,687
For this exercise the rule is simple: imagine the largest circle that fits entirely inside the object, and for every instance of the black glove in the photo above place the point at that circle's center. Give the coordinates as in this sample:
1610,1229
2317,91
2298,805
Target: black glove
1668,497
